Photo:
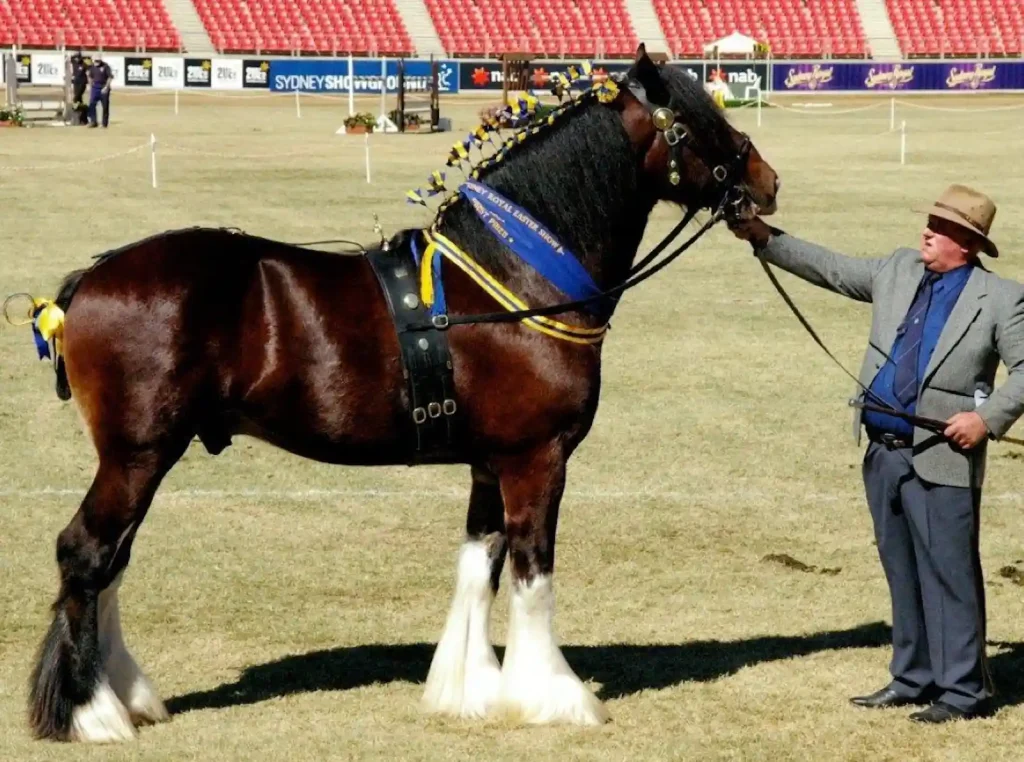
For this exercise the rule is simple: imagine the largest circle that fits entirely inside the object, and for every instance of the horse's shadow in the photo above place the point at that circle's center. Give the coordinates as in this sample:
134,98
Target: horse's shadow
621,669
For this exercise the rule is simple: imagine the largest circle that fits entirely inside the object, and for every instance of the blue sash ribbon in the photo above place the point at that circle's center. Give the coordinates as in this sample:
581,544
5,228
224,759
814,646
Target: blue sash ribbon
531,241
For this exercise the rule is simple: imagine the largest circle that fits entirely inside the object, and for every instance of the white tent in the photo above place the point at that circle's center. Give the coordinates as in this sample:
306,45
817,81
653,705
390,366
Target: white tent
733,44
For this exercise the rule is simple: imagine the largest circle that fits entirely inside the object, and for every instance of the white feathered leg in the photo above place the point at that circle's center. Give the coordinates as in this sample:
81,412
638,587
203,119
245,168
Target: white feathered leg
464,673
538,685
129,683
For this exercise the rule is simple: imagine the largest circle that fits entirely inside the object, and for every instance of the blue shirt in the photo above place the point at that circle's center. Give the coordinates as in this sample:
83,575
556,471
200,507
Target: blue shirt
945,293
100,73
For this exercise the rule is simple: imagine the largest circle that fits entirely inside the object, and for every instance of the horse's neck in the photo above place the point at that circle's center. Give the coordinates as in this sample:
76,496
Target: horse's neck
603,236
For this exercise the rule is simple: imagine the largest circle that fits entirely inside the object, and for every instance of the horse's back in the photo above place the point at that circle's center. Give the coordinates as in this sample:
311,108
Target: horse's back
237,334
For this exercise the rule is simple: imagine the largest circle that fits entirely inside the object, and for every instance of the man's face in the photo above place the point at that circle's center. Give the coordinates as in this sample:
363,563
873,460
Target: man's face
946,246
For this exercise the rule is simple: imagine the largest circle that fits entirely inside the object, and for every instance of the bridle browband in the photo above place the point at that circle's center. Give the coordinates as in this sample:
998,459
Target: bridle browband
726,202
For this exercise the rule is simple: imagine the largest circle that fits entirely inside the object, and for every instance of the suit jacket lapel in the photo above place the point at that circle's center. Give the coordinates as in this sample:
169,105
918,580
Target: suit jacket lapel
964,312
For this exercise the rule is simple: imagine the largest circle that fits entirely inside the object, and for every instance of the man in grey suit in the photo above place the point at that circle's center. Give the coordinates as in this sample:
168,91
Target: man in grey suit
940,325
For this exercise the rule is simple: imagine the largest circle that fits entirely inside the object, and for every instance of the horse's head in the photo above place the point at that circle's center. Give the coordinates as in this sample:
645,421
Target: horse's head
691,152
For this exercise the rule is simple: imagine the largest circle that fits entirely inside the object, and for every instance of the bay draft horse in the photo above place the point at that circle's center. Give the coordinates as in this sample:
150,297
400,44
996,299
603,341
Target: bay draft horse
211,333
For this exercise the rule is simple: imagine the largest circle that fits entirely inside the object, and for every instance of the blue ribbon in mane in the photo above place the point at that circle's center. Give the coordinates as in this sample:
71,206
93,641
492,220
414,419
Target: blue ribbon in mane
531,241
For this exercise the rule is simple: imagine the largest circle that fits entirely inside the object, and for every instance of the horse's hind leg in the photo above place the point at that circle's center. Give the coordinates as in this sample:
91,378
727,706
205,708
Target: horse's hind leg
464,674
538,685
85,685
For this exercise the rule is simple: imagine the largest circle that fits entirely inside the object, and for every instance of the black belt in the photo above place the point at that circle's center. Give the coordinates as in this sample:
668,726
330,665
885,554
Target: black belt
890,441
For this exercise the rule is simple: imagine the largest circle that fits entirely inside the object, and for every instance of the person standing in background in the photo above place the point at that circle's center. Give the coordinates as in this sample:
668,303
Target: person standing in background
79,80
100,79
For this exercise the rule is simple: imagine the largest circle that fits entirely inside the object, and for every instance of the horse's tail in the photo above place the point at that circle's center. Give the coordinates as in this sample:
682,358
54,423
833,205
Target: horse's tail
65,294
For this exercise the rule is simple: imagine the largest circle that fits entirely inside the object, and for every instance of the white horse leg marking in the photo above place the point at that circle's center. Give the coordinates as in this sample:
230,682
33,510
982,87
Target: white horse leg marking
538,685
464,674
130,685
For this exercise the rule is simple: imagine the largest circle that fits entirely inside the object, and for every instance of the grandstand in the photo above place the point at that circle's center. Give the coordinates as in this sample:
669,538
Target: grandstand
552,27
360,27
791,27
926,28
111,24
555,28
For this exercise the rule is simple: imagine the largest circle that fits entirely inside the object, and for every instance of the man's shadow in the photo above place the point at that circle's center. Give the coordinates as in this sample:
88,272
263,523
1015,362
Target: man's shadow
621,669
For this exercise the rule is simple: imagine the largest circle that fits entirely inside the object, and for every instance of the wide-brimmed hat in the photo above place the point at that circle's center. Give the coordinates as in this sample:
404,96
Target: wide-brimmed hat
969,209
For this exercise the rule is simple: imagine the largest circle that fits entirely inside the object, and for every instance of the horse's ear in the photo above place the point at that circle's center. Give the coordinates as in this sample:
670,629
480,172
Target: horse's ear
647,73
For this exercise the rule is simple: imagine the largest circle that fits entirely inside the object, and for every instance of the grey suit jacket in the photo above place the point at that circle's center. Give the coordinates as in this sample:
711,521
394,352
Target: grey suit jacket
986,326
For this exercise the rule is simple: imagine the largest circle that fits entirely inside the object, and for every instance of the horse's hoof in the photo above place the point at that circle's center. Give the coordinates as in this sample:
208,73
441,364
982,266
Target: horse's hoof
103,719
560,699
474,698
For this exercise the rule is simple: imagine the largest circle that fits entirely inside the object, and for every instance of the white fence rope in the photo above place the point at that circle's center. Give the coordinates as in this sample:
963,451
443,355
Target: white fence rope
970,110
174,148
826,111
70,164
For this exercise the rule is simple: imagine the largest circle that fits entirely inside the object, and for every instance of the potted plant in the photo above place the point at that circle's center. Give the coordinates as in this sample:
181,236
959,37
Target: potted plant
11,116
412,121
360,123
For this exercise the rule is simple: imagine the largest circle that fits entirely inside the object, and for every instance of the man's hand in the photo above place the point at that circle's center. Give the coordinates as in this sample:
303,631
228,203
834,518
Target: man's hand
754,230
967,430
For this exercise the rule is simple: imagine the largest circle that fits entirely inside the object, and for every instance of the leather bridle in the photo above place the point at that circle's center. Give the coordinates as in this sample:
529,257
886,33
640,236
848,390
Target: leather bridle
726,198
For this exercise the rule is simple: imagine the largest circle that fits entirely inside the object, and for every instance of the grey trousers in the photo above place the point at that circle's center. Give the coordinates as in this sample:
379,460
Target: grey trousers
928,542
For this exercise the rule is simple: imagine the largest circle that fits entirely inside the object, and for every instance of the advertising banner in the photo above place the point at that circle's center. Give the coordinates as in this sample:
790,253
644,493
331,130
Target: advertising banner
116,64
737,75
488,75
256,73
47,69
227,74
169,73
332,76
23,68
870,76
198,72
138,72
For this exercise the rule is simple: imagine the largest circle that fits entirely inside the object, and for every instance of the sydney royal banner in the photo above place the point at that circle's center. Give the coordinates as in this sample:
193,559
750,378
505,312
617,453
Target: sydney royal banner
332,76
870,76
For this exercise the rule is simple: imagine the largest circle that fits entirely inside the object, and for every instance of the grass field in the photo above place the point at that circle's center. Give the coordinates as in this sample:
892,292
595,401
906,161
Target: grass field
287,610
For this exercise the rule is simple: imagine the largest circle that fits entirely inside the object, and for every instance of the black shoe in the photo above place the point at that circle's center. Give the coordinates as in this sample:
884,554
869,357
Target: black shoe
93,125
940,712
884,698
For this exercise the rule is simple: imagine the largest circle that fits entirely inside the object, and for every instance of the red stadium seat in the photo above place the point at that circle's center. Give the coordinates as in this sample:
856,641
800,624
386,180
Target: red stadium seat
112,24
925,28
552,27
790,27
309,26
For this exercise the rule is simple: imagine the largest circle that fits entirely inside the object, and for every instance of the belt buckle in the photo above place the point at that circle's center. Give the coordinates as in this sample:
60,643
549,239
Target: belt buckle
893,442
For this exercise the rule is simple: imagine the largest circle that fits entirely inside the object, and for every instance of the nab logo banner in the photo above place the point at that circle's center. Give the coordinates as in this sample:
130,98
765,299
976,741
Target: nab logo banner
256,73
198,72
138,72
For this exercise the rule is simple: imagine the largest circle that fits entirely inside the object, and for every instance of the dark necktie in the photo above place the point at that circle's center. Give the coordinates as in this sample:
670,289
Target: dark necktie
905,380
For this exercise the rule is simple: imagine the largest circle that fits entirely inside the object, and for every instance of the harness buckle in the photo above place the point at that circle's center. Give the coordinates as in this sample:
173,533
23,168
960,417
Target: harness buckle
434,410
675,134
440,322
720,173
449,407
419,415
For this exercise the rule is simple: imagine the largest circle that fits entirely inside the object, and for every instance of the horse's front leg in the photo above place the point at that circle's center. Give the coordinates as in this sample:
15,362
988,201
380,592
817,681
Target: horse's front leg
537,684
